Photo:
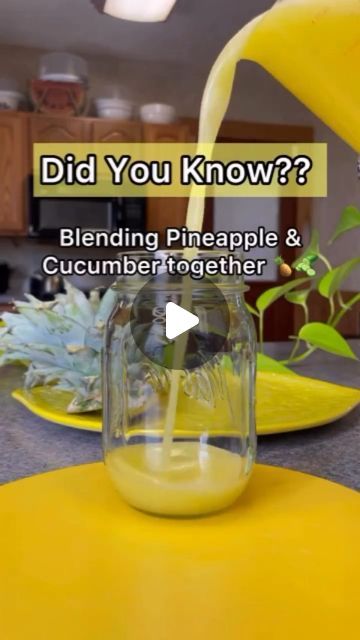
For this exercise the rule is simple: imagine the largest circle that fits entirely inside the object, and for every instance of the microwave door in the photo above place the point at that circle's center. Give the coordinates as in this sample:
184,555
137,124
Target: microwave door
110,221
48,215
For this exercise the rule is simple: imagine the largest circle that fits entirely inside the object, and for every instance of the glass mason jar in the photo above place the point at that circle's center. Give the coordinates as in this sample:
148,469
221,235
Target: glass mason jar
179,434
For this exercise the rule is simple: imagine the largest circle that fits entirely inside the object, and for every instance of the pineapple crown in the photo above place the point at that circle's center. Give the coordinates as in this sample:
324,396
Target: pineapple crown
60,343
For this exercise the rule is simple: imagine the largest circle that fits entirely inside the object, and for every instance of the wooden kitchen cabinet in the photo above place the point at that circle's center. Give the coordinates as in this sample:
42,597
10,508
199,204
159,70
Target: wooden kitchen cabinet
177,132
160,212
19,131
115,131
166,212
13,174
58,129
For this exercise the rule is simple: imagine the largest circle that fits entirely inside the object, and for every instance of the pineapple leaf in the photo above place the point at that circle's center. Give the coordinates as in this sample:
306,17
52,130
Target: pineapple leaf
61,343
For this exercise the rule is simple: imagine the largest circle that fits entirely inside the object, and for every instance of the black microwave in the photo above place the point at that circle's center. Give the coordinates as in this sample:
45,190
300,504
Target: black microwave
48,215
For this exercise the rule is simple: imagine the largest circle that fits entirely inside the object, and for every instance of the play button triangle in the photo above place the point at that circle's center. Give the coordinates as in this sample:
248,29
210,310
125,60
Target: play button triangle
178,320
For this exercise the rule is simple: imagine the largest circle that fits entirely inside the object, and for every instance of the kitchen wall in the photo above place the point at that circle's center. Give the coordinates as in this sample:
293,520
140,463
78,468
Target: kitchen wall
256,97
252,212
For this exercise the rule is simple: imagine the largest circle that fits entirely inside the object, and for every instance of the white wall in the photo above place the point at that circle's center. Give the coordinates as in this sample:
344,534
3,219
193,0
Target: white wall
256,97
248,214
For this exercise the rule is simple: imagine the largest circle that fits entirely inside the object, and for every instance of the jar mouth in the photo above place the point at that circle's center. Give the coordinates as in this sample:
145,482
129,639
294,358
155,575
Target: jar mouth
163,280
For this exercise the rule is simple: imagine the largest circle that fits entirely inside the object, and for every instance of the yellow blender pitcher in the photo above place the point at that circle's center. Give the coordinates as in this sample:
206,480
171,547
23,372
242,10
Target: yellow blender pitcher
312,47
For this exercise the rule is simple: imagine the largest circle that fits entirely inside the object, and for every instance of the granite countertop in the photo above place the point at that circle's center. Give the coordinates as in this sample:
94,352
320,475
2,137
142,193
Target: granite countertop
30,445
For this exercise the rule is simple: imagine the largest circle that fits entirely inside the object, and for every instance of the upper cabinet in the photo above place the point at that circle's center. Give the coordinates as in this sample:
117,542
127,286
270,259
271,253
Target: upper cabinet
160,211
58,129
192,129
115,131
19,131
13,173
166,133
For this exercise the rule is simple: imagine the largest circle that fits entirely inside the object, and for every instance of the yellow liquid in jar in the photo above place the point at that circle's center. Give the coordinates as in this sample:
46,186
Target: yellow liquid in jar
197,478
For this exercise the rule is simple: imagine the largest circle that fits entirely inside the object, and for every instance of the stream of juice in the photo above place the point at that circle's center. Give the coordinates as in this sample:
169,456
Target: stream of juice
215,102
313,48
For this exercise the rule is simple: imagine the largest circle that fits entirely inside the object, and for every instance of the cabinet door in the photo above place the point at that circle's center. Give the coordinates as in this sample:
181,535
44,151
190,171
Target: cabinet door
115,131
166,132
13,184
166,212
58,129
193,128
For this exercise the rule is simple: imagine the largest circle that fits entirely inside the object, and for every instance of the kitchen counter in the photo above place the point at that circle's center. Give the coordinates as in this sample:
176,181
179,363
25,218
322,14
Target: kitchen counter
30,445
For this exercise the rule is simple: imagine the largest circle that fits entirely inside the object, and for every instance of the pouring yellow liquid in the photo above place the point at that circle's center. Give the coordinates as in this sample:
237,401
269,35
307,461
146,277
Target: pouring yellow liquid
313,48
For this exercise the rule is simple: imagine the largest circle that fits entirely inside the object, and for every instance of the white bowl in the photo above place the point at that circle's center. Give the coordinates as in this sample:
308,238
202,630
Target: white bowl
114,108
158,113
62,67
9,99
113,103
60,77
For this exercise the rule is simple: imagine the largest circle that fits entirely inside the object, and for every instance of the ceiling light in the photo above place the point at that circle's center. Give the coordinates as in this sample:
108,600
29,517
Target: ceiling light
139,10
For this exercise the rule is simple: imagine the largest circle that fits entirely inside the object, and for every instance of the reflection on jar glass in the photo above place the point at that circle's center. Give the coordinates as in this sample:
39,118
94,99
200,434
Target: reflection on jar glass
179,441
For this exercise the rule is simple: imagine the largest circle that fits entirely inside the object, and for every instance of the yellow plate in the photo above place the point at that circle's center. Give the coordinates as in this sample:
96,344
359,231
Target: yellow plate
284,403
50,404
76,562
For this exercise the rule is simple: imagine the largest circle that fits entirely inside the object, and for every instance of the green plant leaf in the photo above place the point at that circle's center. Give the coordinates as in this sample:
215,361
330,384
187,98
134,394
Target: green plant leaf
298,297
271,295
265,363
333,280
350,219
251,309
312,250
324,337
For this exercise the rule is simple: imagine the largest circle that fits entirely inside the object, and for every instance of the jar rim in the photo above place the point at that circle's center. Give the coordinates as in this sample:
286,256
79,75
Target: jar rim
136,281
197,252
